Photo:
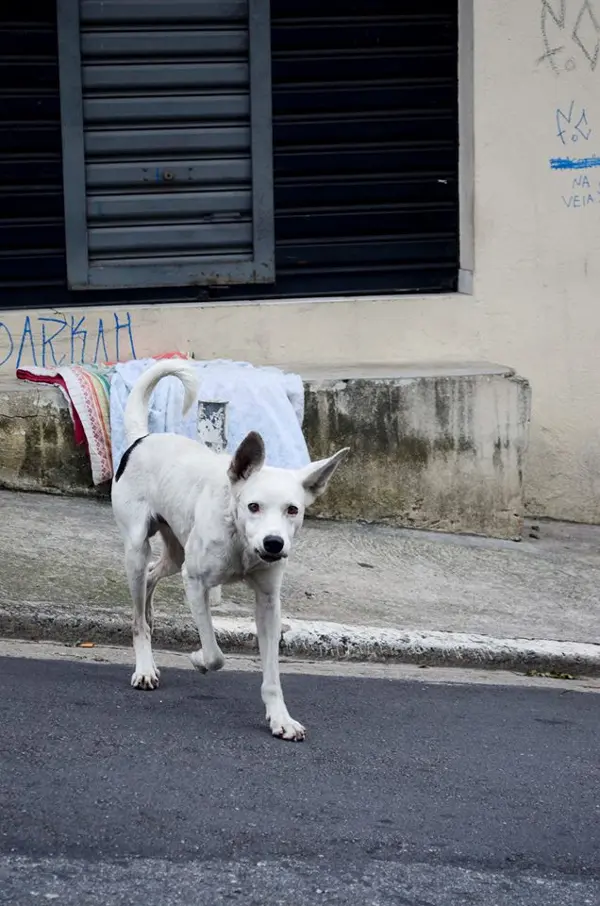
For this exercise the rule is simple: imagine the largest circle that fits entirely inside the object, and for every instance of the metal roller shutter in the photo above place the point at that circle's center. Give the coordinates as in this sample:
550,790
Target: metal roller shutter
31,205
161,122
365,128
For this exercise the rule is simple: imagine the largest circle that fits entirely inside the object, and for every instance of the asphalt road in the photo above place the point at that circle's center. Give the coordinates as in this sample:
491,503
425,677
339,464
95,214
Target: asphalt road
404,792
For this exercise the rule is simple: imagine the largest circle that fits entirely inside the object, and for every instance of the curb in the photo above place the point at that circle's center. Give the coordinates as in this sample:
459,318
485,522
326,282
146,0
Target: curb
322,640
439,649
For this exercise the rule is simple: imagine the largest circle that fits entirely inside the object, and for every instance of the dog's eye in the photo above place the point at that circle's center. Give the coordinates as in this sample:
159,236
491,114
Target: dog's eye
292,511
254,507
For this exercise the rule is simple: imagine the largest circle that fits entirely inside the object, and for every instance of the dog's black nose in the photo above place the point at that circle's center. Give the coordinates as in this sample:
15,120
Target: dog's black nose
273,544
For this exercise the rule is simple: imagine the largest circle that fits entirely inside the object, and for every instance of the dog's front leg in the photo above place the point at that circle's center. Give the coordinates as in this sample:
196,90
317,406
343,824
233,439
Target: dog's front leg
268,626
210,656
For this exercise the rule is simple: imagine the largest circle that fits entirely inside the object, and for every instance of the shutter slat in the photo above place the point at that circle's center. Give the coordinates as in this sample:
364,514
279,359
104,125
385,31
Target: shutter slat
173,238
153,76
225,139
177,205
167,175
132,12
179,109
175,42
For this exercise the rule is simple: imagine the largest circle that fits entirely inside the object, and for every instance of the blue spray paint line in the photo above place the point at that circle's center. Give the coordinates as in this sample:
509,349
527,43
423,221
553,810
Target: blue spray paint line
574,163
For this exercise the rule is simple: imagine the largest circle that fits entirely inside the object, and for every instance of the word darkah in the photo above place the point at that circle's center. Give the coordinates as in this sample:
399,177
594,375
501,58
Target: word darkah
61,339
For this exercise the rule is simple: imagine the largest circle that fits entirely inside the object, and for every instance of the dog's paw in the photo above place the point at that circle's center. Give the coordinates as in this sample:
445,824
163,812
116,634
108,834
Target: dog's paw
287,729
197,659
146,679
203,664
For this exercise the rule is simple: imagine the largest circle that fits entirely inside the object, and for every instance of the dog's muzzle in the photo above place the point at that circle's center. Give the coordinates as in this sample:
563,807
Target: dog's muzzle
272,551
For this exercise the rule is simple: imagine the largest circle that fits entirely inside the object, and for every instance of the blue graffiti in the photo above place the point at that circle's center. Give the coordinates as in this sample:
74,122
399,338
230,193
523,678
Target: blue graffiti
572,127
34,341
9,340
574,163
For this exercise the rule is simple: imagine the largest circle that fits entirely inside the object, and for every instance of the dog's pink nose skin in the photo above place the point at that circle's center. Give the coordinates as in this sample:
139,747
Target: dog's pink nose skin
273,544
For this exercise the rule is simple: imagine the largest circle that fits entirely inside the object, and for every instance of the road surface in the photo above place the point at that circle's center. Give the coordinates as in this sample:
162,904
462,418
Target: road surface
404,793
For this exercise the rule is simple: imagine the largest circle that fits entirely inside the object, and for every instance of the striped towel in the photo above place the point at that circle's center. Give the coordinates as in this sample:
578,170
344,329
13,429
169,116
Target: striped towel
87,391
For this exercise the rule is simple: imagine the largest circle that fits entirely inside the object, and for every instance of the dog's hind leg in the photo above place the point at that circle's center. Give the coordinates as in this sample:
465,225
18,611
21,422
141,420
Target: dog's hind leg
169,564
214,596
137,557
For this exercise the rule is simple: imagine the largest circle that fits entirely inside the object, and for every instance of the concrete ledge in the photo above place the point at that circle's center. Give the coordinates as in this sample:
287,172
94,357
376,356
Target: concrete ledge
434,447
37,445
322,640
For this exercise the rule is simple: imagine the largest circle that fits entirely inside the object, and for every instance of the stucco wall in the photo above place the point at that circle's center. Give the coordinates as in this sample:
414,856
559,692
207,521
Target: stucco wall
536,287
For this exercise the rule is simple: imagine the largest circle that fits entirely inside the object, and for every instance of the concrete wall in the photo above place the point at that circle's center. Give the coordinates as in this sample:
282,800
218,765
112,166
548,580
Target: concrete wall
535,302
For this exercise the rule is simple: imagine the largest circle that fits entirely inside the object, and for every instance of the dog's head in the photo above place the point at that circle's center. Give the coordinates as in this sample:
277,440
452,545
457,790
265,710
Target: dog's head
270,503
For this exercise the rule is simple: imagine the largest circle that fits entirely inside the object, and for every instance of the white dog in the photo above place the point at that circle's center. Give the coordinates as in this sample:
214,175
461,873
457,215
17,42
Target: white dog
222,519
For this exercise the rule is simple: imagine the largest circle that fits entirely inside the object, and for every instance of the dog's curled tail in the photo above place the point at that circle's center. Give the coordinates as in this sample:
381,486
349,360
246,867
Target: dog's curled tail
136,409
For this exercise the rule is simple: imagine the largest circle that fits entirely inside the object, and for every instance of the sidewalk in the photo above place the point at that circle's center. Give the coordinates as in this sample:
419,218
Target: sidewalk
353,591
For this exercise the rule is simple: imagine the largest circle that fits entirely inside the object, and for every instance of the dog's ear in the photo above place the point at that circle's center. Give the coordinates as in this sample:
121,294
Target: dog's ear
315,477
248,458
